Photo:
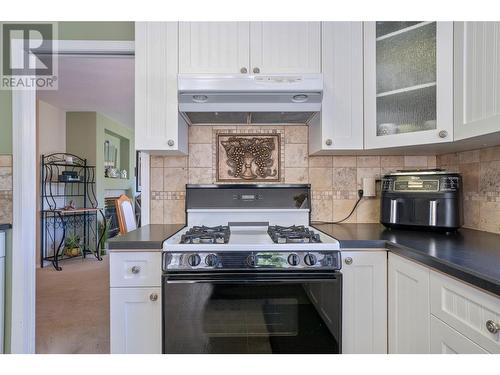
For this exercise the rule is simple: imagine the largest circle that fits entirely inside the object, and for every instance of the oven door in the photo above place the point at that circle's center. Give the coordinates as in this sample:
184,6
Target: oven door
252,313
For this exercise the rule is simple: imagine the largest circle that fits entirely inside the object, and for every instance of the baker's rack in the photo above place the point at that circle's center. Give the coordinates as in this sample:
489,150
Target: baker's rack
68,206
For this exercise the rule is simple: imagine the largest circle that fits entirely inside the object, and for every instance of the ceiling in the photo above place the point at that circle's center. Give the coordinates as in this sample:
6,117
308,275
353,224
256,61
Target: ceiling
103,84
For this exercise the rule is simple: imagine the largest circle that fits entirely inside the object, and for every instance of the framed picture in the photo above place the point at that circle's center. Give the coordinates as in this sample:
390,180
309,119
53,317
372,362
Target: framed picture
248,157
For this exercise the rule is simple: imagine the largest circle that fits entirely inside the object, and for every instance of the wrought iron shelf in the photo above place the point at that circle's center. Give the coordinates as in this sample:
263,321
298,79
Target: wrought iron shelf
58,221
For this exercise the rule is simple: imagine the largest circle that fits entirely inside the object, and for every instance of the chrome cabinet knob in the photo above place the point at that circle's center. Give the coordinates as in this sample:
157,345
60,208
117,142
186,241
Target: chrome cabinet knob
492,327
244,70
136,269
256,70
170,142
153,297
328,142
443,134
348,260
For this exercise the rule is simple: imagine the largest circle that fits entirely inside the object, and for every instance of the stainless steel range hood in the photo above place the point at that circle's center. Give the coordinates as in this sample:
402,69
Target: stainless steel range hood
249,99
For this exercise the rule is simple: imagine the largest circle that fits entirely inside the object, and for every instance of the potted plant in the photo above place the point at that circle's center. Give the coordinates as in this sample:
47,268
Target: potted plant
104,229
72,245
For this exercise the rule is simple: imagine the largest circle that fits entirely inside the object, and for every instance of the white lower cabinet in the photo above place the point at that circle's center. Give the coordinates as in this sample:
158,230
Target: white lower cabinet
135,305
467,310
409,308
135,320
445,340
364,302
430,312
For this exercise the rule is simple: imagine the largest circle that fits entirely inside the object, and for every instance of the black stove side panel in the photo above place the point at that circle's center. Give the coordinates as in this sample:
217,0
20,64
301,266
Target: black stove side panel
239,196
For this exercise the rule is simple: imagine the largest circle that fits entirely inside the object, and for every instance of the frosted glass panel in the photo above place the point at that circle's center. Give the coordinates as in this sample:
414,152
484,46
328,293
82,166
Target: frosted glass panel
387,27
407,59
407,112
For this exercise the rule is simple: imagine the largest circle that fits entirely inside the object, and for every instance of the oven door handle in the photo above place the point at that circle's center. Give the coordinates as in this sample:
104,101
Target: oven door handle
245,279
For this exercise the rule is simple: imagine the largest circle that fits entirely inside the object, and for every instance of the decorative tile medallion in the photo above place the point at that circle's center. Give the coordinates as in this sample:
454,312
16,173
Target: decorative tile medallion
248,157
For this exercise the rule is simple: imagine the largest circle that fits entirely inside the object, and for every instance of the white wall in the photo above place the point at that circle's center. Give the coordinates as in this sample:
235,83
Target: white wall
51,129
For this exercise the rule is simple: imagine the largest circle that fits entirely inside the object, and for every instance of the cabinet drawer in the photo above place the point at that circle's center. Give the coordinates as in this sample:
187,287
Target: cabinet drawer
129,269
445,340
466,309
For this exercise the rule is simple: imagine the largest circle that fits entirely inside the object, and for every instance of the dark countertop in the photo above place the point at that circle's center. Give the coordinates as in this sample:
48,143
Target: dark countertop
5,226
148,237
469,255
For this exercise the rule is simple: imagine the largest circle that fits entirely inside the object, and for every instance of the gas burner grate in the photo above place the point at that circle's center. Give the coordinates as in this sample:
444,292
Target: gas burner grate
209,235
293,234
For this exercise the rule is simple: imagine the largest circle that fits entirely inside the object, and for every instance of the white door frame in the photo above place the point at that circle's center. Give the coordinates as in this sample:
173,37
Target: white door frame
25,180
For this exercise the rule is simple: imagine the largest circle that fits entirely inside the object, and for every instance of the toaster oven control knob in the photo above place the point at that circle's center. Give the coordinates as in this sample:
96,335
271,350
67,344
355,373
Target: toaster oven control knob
293,260
252,260
310,259
194,260
211,260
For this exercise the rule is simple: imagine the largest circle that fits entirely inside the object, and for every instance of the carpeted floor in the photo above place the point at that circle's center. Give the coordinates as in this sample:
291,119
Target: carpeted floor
72,307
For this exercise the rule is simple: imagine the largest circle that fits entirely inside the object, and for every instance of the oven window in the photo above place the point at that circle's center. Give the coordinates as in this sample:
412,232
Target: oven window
252,318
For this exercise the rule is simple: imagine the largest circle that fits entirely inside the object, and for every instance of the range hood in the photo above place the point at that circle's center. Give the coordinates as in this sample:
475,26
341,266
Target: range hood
249,99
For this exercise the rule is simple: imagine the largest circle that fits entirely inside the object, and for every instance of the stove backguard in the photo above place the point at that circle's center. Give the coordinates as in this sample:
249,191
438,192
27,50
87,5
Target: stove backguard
214,205
237,196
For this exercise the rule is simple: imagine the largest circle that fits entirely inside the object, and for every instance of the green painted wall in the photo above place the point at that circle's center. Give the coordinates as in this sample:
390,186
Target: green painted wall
85,136
96,30
66,31
5,122
107,125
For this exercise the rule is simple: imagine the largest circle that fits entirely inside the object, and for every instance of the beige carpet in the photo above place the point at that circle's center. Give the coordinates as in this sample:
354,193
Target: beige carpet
72,307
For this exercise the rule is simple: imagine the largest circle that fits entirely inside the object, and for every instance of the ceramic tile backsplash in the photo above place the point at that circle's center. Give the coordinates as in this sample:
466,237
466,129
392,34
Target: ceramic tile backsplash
480,171
6,189
334,179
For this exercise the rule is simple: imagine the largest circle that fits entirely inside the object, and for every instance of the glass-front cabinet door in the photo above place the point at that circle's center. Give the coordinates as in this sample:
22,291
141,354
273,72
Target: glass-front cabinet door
408,83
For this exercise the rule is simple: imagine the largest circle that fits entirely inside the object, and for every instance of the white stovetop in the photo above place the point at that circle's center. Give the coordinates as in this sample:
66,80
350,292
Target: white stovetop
250,239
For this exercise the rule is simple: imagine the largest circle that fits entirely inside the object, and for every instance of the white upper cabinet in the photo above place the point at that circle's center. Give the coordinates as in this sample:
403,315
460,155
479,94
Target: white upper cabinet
408,82
364,302
285,47
158,126
250,47
214,47
477,78
340,126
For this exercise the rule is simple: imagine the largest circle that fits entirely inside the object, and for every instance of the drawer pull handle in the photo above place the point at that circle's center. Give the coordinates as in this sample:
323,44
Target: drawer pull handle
136,269
153,297
348,260
492,327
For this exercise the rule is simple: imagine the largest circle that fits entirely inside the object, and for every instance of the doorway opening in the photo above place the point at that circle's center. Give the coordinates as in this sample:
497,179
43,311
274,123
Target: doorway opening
86,160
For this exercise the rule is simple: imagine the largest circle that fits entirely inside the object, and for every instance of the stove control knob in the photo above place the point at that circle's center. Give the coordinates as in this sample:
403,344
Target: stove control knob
293,260
252,260
194,260
211,260
310,259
